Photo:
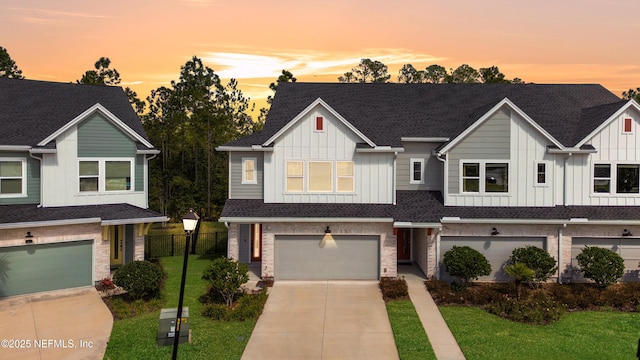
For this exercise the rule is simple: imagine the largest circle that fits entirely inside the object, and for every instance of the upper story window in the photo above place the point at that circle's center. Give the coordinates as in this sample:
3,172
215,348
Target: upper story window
627,125
105,175
320,176
295,176
416,168
319,123
495,175
13,174
542,168
249,175
625,177
345,178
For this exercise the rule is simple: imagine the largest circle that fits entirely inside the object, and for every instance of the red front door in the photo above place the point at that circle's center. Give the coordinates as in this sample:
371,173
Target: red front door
404,244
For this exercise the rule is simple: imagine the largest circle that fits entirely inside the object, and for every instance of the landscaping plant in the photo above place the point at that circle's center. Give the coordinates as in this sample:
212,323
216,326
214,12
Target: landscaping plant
225,277
521,273
536,259
466,263
601,265
394,288
141,279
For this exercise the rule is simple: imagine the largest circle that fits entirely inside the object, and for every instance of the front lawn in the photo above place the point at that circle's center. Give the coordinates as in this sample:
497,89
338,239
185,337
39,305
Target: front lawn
135,338
578,335
411,340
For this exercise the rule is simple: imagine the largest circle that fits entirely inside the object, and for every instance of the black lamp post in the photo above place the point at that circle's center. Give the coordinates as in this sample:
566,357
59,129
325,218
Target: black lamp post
189,221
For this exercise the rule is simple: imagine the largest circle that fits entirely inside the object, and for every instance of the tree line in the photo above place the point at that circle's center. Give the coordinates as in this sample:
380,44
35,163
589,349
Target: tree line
189,118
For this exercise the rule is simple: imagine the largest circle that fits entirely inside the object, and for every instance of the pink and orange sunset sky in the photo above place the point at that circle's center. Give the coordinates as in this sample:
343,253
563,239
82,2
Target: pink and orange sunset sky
544,41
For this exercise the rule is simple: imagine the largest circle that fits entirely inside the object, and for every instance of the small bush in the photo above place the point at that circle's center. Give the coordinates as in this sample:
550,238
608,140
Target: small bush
394,288
466,263
521,273
537,309
601,265
216,312
105,284
225,277
141,279
536,259
248,307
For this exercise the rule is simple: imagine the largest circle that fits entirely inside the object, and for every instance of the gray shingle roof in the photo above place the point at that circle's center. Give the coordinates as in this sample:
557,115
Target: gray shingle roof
10,214
423,206
32,110
386,112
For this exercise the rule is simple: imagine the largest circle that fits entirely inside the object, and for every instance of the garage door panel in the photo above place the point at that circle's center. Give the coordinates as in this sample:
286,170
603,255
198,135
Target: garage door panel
628,249
497,250
44,267
301,258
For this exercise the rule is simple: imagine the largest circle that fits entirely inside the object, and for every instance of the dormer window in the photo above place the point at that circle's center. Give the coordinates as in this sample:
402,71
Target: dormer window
319,123
627,125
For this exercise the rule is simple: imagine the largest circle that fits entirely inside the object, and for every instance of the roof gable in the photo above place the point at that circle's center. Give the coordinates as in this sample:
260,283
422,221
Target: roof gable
610,112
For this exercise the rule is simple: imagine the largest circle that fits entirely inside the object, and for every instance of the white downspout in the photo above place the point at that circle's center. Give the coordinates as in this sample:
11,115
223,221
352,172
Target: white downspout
41,180
393,180
565,187
445,171
438,253
560,253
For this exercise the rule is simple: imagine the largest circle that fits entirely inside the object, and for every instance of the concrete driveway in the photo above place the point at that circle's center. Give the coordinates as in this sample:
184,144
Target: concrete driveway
66,324
323,320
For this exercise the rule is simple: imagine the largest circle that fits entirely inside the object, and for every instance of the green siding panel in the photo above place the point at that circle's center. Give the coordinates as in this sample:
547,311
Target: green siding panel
34,268
33,180
98,137
139,173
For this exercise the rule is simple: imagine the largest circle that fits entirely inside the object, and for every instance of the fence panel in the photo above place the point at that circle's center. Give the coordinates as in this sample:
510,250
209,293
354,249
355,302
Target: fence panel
156,246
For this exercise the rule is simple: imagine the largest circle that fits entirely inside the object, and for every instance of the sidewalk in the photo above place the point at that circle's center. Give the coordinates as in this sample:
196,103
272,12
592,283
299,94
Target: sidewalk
444,344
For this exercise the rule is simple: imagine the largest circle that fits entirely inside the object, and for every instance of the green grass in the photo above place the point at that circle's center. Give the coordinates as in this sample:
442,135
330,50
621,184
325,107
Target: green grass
177,228
135,338
411,340
578,335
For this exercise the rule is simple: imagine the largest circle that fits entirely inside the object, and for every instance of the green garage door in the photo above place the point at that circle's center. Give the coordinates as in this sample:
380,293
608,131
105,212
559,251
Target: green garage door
628,249
33,268
496,249
301,258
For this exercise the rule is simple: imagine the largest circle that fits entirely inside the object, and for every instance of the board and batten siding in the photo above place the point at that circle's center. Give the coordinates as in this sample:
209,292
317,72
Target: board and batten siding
33,180
433,168
373,172
612,147
238,190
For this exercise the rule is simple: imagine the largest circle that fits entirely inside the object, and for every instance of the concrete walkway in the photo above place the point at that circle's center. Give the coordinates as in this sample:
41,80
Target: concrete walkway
444,344
323,320
64,324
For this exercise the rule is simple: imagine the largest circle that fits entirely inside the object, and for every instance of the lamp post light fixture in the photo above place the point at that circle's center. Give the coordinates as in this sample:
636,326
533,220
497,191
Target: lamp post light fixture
189,221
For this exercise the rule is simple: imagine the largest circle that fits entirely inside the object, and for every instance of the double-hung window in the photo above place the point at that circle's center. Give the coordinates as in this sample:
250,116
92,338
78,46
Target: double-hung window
105,175
542,173
344,170
295,176
13,177
416,169
320,176
249,171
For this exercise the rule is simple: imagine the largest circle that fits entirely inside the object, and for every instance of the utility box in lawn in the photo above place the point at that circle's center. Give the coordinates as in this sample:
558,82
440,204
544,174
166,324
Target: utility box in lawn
167,326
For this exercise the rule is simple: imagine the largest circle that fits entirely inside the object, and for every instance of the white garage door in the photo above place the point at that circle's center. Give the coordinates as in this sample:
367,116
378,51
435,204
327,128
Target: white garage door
497,250
628,249
302,258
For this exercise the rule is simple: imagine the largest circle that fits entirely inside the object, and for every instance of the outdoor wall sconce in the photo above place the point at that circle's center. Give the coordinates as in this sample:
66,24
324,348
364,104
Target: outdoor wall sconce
29,238
328,241
626,233
495,232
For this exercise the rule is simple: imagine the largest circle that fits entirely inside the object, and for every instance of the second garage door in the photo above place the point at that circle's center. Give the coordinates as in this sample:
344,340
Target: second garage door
628,249
497,250
302,258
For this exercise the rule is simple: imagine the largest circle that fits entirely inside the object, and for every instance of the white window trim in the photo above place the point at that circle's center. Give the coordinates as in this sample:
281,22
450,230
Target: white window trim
482,176
632,126
24,177
286,176
422,171
547,166
613,178
352,176
102,175
255,170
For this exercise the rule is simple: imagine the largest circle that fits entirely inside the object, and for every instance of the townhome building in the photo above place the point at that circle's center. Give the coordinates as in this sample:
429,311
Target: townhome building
73,185
401,173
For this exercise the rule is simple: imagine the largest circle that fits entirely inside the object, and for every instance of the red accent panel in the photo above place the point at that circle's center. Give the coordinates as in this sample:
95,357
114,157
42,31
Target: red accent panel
627,125
319,123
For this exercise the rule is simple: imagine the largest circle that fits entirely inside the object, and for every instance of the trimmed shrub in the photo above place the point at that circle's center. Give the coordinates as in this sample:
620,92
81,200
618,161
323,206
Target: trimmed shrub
141,279
536,259
215,311
601,265
466,263
248,307
538,309
225,277
394,288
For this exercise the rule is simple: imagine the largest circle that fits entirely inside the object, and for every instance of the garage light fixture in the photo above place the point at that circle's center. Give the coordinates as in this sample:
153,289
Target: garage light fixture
626,233
495,232
328,241
29,238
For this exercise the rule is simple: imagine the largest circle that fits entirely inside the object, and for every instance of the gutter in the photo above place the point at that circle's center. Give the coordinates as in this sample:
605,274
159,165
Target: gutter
237,219
134,221
50,223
